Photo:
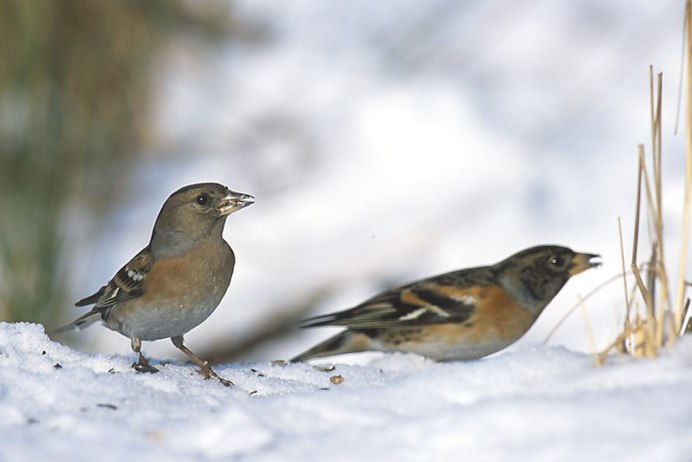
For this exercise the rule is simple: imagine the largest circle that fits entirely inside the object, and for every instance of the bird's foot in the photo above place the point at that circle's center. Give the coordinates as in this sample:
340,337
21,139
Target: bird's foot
142,365
208,372
204,367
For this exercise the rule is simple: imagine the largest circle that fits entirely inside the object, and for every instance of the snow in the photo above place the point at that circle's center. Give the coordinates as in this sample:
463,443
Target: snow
533,404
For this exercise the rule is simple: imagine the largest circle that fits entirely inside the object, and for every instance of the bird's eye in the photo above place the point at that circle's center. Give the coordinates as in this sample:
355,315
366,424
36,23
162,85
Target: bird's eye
556,260
202,199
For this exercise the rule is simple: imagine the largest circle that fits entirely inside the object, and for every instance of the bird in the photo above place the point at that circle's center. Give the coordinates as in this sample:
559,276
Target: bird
457,316
177,281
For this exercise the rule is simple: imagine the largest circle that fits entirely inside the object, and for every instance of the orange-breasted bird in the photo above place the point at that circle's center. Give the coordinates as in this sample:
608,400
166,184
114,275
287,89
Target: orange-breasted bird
462,315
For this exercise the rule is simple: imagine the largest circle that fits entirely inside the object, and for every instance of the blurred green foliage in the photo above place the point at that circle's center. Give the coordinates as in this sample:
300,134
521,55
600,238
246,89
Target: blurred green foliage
75,84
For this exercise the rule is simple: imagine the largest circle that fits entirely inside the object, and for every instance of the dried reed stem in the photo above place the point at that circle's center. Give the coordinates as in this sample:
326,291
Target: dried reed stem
680,312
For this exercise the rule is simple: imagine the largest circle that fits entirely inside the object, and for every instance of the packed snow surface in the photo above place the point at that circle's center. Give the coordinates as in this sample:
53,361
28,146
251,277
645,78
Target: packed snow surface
534,403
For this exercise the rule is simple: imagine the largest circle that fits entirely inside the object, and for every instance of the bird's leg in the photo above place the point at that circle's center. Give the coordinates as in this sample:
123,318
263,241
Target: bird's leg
142,364
205,369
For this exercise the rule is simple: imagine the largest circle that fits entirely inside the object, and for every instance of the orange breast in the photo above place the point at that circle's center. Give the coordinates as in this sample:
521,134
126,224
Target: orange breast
497,318
496,322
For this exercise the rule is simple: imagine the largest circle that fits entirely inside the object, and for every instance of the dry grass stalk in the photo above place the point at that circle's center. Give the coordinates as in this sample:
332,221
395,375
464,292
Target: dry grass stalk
581,301
688,327
628,299
648,332
687,198
589,331
661,323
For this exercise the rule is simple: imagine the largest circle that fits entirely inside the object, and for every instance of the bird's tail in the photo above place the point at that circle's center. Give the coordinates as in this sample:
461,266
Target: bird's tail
347,341
80,323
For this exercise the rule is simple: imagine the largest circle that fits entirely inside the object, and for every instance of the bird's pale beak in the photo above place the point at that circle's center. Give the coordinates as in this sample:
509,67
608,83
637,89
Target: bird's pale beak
234,201
582,262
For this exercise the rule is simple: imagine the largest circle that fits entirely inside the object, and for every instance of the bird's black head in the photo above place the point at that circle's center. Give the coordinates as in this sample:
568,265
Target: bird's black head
535,275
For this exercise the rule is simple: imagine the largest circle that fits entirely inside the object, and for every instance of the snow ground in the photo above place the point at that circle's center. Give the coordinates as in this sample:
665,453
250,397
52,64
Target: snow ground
530,404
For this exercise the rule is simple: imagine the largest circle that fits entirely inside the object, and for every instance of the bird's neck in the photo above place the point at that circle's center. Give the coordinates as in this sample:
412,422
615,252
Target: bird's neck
531,290
171,242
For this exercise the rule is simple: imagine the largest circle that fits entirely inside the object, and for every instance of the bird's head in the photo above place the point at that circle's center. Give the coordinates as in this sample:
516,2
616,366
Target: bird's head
535,275
195,212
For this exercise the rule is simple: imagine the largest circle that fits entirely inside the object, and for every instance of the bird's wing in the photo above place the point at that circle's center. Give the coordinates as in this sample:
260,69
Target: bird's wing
127,283
449,298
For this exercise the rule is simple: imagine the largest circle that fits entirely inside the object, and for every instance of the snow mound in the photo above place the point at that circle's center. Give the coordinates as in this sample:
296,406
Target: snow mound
534,403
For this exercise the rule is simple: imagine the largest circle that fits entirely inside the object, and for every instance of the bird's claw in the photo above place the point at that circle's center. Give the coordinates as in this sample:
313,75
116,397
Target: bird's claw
208,373
144,367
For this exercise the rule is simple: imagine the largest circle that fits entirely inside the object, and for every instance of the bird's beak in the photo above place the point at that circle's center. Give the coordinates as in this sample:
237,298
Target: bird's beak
582,262
233,202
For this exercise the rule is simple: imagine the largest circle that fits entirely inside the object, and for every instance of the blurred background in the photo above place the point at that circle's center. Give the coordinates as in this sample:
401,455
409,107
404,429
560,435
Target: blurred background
384,142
